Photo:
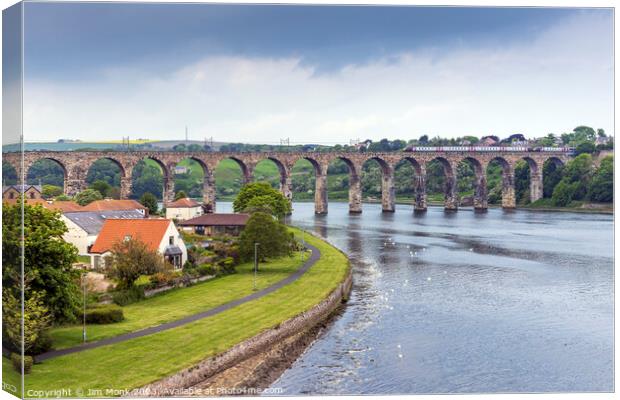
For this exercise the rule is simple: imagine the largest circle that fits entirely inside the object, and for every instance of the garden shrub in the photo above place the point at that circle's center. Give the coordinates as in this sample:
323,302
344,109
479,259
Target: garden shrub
104,314
42,344
16,359
128,296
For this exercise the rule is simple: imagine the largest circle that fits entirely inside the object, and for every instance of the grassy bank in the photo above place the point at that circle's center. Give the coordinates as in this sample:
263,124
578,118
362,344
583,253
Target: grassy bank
137,362
179,303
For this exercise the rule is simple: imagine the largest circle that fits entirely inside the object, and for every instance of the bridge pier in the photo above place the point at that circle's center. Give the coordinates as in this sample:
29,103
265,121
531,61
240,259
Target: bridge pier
387,190
208,192
450,201
286,185
320,193
508,189
355,194
420,193
125,188
168,192
74,186
536,186
481,194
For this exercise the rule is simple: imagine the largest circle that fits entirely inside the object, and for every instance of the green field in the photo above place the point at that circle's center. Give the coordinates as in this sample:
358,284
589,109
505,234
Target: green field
136,362
179,303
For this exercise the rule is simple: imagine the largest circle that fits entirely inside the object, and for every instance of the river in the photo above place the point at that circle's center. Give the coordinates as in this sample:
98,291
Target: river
464,302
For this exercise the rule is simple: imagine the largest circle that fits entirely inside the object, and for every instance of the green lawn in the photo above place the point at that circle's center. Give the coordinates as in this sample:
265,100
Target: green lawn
179,303
137,362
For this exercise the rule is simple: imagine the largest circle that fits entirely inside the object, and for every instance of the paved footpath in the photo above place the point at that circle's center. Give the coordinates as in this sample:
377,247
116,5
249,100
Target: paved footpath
314,257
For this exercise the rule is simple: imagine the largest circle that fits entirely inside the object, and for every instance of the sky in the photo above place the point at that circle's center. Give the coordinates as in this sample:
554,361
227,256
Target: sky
313,74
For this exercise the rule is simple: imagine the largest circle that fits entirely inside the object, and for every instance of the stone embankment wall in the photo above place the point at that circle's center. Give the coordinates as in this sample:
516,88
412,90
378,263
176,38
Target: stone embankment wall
250,347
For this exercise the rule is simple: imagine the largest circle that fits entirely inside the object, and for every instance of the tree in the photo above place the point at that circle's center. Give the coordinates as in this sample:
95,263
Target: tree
102,187
149,201
146,177
48,259
602,185
585,147
37,321
423,140
131,258
563,193
180,195
272,236
269,197
50,191
87,196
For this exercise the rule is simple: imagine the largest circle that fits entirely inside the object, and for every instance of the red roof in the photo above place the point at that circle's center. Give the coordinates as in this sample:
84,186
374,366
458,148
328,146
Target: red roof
113,205
217,220
149,231
62,206
183,203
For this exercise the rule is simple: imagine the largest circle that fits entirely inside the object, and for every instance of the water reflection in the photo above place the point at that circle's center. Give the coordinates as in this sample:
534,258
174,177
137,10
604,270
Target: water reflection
465,302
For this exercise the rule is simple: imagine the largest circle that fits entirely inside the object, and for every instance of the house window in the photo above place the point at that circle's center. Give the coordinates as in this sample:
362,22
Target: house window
171,240
11,195
32,195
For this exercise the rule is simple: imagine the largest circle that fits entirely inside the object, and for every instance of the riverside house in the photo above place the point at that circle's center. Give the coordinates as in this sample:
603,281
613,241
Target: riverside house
83,227
183,209
158,234
216,224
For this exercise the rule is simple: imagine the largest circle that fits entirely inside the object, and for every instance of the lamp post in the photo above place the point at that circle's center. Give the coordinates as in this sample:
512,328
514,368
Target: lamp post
303,244
255,263
84,316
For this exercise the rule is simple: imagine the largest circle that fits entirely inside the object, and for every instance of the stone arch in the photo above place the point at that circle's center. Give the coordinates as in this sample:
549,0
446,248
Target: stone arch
479,200
449,188
285,176
550,174
208,184
167,184
388,195
316,188
246,172
419,182
535,176
508,184
70,186
355,184
123,181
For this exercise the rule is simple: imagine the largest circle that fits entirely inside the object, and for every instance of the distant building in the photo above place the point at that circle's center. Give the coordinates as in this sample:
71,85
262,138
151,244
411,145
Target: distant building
216,224
158,234
84,226
116,205
14,191
602,140
488,141
181,170
183,209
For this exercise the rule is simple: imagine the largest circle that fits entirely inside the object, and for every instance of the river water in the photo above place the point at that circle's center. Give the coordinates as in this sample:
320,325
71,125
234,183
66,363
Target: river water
464,302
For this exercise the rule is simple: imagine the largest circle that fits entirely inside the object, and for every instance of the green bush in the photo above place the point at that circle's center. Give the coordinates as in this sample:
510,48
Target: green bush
128,296
206,269
42,344
104,314
16,359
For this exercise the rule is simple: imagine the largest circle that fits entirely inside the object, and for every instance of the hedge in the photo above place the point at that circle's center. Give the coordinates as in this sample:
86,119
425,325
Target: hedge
104,314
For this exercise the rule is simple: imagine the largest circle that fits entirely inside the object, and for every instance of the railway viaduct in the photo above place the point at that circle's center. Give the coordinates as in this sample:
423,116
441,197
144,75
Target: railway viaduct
77,163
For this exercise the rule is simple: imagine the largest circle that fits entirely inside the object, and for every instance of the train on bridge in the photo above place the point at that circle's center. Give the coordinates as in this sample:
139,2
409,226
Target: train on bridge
489,149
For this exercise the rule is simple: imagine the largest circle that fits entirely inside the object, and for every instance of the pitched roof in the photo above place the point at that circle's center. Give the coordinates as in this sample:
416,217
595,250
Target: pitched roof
21,188
62,206
92,221
149,231
217,220
111,205
183,203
